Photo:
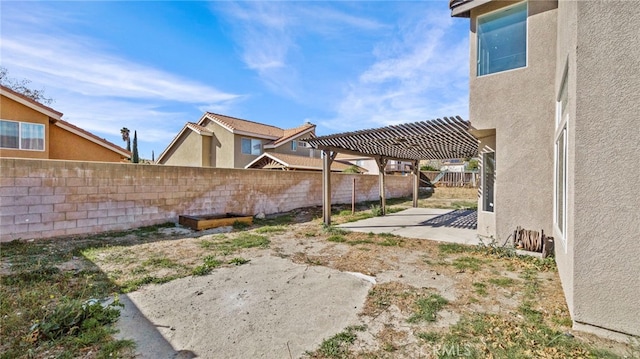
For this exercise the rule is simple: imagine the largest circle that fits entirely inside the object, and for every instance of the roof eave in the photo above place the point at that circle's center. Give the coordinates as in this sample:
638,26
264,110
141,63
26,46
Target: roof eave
462,8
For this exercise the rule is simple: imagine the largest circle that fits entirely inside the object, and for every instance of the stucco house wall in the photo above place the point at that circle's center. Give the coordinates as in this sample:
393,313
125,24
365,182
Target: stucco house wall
14,111
607,219
65,145
188,151
524,125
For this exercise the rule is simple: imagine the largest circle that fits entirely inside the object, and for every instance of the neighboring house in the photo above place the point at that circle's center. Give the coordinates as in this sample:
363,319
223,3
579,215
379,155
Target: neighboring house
453,165
554,99
288,162
29,129
228,142
370,165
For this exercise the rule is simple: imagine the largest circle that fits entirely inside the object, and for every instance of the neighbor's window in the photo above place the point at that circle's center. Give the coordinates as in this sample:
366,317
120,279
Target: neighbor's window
251,146
502,40
488,180
294,145
561,157
22,135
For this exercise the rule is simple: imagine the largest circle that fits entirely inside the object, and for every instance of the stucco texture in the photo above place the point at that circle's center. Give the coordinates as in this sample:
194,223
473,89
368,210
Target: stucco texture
64,145
520,105
607,217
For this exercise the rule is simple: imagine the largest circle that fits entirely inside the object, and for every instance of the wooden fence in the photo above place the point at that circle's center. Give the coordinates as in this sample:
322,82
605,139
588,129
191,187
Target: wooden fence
453,179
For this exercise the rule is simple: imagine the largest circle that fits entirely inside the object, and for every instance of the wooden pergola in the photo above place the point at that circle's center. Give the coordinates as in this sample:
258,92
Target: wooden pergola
444,138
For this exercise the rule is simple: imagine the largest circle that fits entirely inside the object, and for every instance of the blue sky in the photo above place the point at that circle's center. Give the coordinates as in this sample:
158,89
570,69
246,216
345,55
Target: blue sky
152,66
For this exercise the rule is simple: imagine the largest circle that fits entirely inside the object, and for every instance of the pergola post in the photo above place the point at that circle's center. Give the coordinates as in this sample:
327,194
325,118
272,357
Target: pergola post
382,165
327,159
416,182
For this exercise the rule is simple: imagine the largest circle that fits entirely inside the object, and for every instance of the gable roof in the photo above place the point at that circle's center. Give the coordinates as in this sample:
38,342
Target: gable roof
55,119
29,102
269,160
255,129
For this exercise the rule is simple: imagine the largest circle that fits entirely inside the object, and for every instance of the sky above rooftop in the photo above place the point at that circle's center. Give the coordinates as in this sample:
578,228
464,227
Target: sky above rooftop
153,66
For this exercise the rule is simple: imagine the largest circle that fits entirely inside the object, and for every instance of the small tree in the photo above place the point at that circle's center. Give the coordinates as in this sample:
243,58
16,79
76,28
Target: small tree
134,156
351,169
153,156
22,87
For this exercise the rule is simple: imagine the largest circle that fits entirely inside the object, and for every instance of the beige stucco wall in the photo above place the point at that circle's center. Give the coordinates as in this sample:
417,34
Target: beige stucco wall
520,105
222,146
186,151
65,145
606,235
14,111
300,151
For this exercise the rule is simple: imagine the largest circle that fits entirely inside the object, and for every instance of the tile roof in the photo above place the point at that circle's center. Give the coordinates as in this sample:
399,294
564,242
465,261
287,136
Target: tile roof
287,161
200,129
294,132
236,124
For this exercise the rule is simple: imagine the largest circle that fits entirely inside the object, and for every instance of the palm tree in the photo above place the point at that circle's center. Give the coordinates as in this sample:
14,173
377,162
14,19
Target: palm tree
125,137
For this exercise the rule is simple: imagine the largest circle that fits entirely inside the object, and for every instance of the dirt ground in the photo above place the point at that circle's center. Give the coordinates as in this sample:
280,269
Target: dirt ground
383,279
289,287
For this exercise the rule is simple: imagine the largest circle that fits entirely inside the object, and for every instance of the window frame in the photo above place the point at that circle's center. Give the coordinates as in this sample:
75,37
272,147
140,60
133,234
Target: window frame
561,133
20,131
484,183
253,142
294,145
503,9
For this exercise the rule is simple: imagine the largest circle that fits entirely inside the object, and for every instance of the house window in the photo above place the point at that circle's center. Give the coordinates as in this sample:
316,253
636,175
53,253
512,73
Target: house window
294,146
560,165
22,135
251,146
502,40
488,180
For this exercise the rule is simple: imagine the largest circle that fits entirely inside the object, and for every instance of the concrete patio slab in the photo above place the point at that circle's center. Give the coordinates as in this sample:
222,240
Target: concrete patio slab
446,225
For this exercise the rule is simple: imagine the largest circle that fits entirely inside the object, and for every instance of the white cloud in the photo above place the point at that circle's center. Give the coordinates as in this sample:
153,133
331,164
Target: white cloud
418,75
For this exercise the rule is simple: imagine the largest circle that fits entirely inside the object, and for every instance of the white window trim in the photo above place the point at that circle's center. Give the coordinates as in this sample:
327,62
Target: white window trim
526,65
251,148
562,129
493,200
44,139
294,145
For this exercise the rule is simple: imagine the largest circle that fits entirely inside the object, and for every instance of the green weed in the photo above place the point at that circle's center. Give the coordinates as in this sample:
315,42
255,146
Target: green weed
238,261
427,308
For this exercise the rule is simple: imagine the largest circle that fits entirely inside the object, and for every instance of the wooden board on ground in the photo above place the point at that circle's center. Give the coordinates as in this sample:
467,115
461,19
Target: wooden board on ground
203,222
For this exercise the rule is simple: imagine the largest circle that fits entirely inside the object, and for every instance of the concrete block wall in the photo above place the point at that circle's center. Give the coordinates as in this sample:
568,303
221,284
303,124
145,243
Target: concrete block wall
48,198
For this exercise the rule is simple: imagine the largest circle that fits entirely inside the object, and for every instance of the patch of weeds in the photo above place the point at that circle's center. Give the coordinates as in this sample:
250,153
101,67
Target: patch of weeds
390,240
338,345
333,230
429,337
249,240
160,263
139,270
452,248
113,348
337,238
389,347
148,230
271,229
240,226
503,282
74,317
467,263
135,284
310,234
360,241
427,308
239,261
210,262
206,244
376,210
480,288
345,212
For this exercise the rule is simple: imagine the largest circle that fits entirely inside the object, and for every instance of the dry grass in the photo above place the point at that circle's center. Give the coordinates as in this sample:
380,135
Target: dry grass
520,297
